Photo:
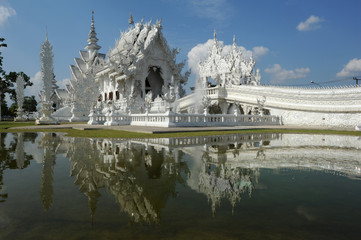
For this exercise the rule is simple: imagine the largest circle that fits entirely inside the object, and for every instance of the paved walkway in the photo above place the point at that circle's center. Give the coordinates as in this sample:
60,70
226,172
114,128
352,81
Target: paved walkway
142,129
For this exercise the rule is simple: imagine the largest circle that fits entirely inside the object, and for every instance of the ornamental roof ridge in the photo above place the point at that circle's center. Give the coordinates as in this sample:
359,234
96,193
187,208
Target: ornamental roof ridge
136,40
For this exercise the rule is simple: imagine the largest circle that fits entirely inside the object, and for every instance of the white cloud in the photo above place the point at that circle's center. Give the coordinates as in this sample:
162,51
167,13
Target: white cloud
36,88
5,13
280,75
63,83
38,85
211,9
312,23
259,51
200,52
352,69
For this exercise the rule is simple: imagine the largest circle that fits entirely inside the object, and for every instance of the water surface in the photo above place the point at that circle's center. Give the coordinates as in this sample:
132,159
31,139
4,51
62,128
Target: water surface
245,186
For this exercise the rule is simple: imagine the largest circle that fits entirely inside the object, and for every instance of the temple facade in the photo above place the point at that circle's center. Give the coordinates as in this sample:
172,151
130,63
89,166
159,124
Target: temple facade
140,64
138,82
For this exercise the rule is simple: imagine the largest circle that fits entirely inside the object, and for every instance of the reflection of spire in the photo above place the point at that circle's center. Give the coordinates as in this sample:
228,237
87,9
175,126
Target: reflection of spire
20,151
46,191
49,142
83,161
220,180
92,201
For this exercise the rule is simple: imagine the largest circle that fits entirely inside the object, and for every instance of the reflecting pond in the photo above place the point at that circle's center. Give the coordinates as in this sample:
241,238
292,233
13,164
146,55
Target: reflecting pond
243,186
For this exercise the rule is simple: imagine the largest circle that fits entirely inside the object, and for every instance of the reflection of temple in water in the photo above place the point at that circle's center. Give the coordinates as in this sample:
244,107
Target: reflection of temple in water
141,174
141,178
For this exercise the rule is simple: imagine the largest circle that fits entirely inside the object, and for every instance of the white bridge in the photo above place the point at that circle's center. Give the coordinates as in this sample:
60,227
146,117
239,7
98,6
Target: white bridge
338,106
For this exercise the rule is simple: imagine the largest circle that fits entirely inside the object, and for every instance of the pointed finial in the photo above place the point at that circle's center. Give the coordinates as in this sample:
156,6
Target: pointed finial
130,20
234,39
215,34
46,33
92,40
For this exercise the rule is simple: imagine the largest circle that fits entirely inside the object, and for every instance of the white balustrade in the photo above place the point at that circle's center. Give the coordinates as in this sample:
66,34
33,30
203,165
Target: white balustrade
171,119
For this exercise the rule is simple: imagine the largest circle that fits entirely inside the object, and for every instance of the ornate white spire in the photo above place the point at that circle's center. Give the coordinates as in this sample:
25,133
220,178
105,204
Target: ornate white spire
234,45
20,90
47,70
47,76
92,40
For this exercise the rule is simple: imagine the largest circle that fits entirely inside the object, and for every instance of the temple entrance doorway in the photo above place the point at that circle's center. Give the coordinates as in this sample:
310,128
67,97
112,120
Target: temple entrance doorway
154,82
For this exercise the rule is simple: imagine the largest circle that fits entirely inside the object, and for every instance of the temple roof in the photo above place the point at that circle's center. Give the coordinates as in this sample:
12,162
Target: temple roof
133,44
62,93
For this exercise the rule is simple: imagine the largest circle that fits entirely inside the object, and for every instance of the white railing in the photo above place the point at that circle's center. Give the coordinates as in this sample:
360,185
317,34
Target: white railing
171,119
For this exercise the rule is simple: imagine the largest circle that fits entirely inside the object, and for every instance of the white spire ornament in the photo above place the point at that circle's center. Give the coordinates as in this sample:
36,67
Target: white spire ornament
92,40
130,20
83,89
47,76
20,97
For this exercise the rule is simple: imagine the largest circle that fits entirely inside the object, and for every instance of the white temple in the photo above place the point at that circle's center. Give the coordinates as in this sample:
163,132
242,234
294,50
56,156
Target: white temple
139,83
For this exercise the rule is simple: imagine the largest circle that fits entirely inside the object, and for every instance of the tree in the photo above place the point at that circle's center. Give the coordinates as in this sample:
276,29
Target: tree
11,79
2,82
29,105
7,83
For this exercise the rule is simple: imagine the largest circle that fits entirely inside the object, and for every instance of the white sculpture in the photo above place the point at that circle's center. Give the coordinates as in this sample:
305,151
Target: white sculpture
47,75
260,103
169,94
20,97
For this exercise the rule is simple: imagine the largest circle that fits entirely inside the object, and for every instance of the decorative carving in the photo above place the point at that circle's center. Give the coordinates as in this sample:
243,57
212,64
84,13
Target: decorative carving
227,69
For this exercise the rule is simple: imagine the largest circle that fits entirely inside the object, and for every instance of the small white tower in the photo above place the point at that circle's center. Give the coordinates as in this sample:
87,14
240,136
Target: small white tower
20,97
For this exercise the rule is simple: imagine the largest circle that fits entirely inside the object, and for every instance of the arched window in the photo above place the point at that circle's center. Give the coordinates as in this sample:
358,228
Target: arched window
105,97
100,98
111,96
117,95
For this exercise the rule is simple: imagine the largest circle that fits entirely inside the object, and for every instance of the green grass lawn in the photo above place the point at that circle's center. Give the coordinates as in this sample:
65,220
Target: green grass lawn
105,133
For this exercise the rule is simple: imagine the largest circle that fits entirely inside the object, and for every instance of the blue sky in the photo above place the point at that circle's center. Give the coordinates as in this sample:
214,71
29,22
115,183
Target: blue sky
294,41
